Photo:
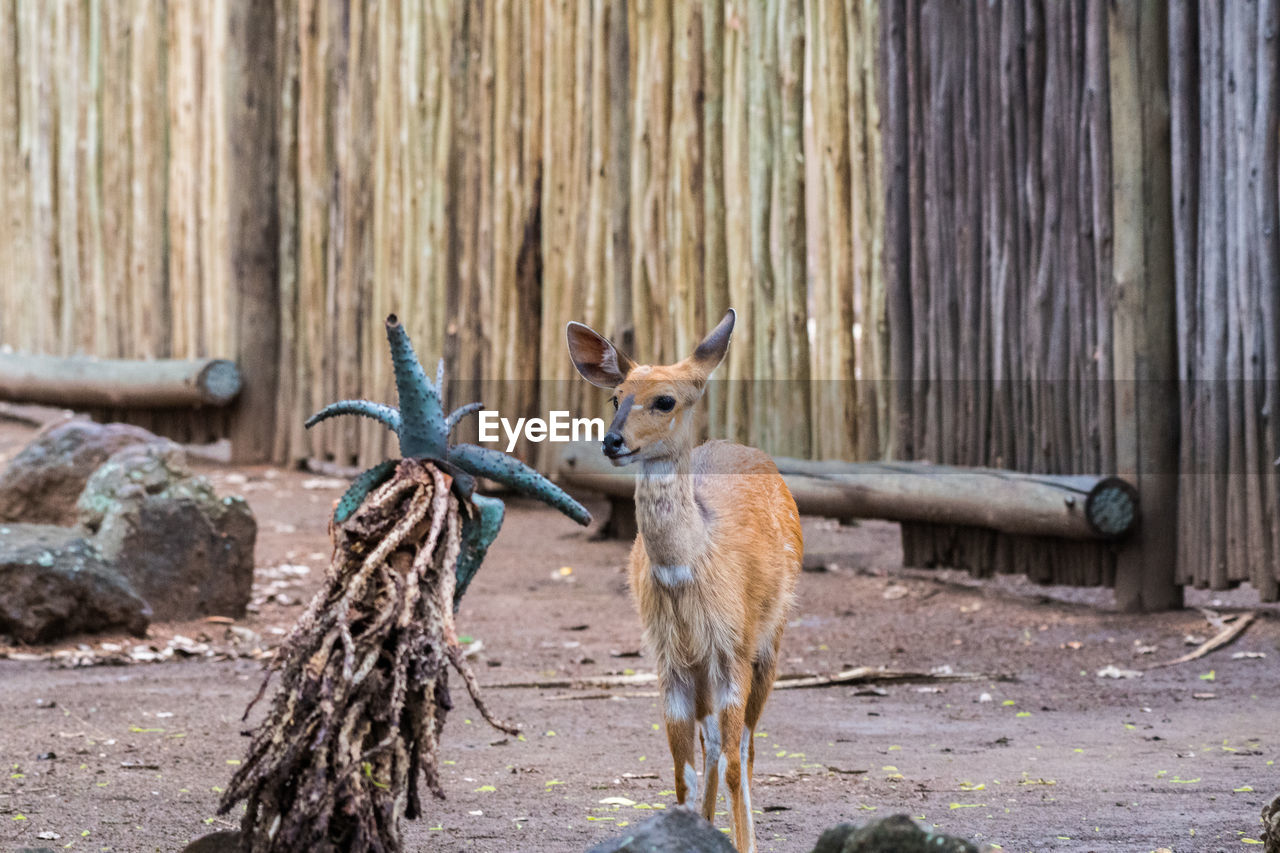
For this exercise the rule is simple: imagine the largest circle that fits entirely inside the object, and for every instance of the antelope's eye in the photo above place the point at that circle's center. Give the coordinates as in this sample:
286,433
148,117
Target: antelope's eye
664,403
614,400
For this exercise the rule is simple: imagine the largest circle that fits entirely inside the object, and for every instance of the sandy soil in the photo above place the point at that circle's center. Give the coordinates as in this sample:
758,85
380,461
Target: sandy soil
1039,754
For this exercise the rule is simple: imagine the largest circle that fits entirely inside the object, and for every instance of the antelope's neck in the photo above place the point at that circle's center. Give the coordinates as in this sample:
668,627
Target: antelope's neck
669,519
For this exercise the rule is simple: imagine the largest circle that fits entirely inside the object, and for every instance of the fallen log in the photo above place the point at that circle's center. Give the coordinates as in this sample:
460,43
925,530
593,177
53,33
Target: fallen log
1071,507
83,382
856,675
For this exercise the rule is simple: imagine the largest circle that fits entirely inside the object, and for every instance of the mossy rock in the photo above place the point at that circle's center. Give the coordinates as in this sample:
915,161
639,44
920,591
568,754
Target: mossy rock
42,483
896,834
186,550
54,582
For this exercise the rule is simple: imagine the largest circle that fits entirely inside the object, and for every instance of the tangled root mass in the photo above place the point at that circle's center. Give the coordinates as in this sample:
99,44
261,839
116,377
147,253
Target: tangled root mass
353,731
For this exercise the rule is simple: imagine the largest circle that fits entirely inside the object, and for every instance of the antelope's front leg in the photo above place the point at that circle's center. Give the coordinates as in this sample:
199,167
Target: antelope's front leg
680,738
712,764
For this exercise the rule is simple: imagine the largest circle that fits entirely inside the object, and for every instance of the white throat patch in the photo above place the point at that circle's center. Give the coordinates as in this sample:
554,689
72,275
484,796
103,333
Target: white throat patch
673,576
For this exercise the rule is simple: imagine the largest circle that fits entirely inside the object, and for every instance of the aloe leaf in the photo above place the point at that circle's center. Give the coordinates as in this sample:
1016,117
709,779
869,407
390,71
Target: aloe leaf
385,415
422,432
486,462
479,529
361,487
458,414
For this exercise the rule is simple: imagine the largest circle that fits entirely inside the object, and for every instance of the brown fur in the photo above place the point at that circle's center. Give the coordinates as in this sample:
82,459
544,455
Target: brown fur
713,570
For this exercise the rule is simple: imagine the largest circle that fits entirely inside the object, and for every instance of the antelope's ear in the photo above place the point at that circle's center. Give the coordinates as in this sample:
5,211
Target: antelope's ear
710,352
596,359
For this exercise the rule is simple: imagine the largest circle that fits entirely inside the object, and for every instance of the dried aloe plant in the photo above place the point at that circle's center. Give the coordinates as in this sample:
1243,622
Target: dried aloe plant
353,730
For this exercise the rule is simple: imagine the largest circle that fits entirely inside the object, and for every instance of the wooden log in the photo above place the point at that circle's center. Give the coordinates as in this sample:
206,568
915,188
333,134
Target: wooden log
1070,507
122,383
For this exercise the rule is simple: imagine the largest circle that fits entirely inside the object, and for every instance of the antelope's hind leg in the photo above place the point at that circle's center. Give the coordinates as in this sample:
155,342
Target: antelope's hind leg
764,671
736,740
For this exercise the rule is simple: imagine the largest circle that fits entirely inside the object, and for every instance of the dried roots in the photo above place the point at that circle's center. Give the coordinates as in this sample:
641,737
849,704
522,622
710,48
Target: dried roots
364,681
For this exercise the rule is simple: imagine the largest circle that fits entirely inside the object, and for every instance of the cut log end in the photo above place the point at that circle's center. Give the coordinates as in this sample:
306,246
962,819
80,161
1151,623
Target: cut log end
1111,508
219,382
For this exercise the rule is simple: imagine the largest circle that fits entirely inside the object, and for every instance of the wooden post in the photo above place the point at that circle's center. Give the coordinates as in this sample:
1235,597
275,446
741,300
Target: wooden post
1265,164
254,222
621,323
1144,348
897,227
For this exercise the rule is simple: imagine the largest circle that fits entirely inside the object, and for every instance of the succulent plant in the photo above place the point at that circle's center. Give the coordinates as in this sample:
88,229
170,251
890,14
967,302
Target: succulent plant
423,431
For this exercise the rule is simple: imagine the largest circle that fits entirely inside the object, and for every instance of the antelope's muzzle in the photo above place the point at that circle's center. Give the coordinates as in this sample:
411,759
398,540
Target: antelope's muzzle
614,445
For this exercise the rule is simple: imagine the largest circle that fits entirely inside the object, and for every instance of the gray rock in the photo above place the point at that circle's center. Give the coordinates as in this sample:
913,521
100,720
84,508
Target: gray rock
42,483
217,842
896,834
1271,826
676,830
188,552
832,840
54,582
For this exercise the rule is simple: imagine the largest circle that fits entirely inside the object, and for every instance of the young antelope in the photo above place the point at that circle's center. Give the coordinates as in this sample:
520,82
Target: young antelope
713,569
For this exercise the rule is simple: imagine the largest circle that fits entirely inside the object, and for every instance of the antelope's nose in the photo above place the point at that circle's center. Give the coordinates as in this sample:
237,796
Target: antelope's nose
612,444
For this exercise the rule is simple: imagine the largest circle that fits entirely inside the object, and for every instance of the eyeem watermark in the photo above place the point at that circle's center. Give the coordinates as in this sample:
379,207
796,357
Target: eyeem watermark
558,427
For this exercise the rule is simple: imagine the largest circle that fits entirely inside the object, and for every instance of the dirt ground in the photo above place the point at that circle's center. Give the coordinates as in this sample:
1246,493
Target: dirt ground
1039,754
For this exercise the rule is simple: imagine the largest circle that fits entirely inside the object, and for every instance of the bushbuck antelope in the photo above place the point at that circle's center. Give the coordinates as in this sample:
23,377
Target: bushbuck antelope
713,569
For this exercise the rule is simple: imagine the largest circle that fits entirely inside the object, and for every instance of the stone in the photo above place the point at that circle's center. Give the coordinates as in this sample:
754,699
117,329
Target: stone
227,841
42,483
676,830
188,552
54,582
1271,826
896,834
832,840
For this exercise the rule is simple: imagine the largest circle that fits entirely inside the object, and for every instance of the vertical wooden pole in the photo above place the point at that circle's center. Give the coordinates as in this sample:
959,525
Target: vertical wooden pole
465,339
897,227
253,220
761,74
621,323
1265,179
1145,354
288,442
685,185
867,196
791,346
736,140
715,259
13,183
